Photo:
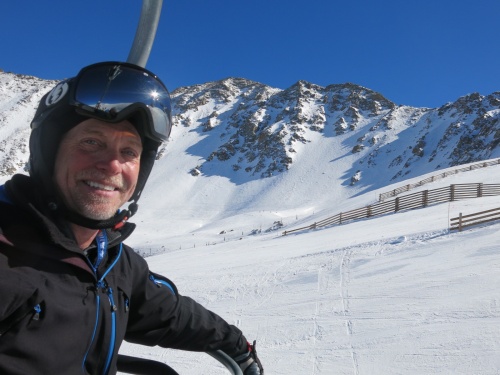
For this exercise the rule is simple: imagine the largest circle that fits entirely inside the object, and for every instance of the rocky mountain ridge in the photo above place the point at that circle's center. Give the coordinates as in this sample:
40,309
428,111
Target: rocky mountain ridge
256,131
261,130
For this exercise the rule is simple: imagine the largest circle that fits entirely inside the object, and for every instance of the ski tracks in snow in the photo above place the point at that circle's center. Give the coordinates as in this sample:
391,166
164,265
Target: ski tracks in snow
344,295
316,290
325,278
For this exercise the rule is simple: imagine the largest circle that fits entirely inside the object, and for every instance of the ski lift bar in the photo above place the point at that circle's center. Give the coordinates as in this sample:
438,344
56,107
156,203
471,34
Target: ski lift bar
142,366
227,361
146,31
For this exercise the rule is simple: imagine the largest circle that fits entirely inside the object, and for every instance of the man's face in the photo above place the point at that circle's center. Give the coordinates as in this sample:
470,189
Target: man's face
97,167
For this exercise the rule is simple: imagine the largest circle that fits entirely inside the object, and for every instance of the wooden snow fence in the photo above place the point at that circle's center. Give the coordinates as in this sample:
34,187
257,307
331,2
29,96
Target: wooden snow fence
465,221
408,187
408,202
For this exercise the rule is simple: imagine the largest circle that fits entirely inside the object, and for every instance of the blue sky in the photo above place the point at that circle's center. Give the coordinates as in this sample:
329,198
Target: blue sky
422,53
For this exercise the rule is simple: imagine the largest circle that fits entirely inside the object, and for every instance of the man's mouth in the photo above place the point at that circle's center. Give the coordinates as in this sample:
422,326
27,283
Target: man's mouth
99,186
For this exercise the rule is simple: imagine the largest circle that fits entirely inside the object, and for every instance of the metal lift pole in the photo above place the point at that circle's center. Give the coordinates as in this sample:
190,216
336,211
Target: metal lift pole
146,31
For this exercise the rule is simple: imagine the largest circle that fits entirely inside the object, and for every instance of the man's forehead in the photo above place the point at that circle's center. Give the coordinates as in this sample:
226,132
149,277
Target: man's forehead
104,129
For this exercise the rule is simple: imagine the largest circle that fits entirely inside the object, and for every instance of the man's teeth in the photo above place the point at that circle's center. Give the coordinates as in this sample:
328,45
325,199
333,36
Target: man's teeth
100,186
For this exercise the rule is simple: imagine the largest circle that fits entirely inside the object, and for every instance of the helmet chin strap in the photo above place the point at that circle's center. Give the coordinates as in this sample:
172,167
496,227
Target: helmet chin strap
115,222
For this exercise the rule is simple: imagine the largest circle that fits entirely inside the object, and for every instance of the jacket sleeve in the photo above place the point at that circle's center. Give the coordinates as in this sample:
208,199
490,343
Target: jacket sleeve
159,315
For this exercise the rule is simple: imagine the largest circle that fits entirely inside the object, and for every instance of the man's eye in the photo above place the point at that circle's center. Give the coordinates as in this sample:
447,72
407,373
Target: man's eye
90,142
131,153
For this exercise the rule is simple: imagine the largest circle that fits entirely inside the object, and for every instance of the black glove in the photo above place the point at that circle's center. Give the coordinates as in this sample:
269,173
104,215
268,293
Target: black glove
249,362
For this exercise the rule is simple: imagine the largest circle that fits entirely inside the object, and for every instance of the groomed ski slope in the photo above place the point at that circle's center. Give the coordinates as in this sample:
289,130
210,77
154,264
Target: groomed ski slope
397,294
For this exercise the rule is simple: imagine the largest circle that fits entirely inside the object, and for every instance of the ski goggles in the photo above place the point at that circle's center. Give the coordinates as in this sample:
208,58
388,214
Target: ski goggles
114,90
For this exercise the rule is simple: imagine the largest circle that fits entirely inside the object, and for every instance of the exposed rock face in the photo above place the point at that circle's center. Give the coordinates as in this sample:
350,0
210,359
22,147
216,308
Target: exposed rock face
259,125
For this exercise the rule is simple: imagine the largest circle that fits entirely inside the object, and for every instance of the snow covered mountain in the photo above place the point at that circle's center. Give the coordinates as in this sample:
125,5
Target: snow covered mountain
251,131
19,96
256,131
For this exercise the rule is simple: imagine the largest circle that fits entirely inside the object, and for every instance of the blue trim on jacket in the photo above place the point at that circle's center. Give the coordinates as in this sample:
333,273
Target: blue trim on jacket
3,195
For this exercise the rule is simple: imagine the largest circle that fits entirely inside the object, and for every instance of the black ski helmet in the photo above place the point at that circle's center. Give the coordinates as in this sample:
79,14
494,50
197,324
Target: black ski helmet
59,111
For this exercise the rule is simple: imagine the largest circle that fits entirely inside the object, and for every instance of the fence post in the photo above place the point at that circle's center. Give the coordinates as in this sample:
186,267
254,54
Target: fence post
340,218
369,211
480,190
452,192
396,208
460,222
426,198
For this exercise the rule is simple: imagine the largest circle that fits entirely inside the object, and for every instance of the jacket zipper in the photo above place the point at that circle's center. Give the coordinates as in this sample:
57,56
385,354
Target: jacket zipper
38,311
160,282
101,285
98,307
111,349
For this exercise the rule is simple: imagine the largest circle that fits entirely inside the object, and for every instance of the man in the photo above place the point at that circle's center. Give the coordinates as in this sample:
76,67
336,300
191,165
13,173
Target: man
70,290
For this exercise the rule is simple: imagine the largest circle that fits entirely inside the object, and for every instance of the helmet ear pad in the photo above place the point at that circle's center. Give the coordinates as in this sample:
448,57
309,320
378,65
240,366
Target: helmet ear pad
44,144
149,150
148,157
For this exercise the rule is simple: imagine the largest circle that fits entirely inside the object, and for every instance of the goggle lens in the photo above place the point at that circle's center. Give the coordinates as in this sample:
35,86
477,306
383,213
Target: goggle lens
108,89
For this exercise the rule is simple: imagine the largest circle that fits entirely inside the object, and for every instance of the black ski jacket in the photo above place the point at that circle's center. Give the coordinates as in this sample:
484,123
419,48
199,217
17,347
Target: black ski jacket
58,316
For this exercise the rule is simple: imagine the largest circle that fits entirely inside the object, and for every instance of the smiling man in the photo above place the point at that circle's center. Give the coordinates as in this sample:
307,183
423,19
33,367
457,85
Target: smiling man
96,170
70,290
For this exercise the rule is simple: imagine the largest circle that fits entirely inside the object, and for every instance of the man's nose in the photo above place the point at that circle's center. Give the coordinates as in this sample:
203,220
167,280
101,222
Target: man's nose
110,162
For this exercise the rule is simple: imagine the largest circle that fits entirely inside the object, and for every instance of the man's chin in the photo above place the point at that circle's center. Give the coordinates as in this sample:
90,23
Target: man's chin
98,212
